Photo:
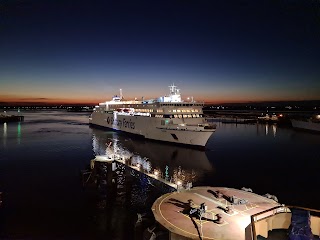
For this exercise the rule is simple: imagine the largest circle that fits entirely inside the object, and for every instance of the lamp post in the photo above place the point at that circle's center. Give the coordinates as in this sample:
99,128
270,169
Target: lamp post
178,185
191,98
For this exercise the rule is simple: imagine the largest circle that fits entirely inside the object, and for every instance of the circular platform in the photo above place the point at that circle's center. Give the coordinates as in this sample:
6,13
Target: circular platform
179,212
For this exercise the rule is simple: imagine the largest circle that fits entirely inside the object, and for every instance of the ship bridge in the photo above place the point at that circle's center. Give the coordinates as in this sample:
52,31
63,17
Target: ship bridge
174,95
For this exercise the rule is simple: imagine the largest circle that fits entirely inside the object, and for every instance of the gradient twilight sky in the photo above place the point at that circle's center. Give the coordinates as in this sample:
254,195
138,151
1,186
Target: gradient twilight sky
218,51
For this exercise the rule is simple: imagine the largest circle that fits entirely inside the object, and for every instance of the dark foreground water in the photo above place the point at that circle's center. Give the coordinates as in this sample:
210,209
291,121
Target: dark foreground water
41,160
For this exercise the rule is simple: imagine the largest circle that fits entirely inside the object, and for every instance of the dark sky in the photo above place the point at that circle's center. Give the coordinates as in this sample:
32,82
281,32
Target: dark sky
218,51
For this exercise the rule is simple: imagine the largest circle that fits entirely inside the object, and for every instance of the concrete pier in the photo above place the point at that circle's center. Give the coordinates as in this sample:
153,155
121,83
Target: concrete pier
115,158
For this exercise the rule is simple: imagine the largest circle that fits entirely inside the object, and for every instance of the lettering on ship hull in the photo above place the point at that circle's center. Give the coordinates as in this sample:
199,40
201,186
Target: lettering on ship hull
121,123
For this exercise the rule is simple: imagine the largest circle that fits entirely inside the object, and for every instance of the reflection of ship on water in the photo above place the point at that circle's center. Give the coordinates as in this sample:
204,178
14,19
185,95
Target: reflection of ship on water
170,159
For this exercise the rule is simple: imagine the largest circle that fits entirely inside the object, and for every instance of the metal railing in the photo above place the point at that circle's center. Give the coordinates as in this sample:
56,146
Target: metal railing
274,211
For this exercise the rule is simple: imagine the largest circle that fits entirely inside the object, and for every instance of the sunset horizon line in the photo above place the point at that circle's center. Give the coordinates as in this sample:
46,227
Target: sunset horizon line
79,103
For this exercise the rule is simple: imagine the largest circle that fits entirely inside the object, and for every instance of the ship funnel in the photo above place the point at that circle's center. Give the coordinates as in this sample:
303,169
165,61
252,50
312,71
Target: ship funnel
120,94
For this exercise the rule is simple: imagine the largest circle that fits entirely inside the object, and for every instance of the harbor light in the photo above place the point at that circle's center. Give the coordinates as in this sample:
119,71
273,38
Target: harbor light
179,185
156,173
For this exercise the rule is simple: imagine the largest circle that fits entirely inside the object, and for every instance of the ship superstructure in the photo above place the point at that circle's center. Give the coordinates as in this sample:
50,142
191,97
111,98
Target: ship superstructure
167,118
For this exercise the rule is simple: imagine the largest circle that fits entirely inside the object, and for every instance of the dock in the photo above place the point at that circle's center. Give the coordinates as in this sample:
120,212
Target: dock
116,158
235,120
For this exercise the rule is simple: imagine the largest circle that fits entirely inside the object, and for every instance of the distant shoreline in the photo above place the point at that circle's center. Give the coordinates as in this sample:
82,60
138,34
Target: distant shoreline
279,106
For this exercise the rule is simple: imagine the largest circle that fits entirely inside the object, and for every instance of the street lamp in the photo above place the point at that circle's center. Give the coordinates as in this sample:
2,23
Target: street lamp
156,173
178,185
188,98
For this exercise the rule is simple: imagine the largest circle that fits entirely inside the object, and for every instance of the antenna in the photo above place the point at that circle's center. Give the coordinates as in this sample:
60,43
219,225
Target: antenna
120,93
172,89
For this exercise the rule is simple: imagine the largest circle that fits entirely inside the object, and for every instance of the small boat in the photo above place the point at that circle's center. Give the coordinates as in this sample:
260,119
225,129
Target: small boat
269,118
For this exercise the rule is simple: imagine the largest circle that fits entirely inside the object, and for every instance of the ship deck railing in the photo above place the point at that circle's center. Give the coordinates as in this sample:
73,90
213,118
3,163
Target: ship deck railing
279,218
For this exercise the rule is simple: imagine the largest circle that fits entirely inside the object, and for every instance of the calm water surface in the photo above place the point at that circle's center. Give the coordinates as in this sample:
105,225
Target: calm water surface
41,160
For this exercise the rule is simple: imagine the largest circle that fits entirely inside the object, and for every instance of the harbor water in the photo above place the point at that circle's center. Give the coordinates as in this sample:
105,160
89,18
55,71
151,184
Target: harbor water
41,160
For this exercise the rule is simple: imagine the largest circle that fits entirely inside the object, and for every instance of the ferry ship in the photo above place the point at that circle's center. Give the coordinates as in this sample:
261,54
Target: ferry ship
167,118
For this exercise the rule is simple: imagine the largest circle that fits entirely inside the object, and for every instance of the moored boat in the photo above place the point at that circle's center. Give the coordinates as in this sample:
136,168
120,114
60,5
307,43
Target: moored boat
269,118
310,124
4,117
167,118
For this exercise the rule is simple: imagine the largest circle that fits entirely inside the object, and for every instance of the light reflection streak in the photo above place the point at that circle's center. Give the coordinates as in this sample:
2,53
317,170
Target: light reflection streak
19,133
4,134
274,130
267,129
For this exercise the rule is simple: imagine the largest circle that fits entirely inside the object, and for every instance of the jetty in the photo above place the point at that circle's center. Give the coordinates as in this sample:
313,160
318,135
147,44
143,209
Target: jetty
126,161
235,120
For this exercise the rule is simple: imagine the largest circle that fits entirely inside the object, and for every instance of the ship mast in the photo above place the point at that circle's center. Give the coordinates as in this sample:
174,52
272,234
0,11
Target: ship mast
174,94
173,90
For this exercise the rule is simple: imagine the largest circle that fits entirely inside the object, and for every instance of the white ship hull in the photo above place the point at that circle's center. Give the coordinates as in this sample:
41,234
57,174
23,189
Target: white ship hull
306,125
151,128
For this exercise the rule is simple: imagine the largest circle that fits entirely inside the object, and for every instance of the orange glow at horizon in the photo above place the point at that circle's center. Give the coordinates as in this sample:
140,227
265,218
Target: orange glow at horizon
42,100
95,101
